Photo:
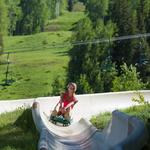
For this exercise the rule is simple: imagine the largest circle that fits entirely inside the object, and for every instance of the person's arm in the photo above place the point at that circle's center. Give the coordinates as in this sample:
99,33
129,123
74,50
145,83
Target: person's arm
75,101
60,102
56,105
71,104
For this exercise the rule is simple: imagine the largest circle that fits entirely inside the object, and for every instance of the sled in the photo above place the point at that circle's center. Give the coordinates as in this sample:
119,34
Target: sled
61,120
54,118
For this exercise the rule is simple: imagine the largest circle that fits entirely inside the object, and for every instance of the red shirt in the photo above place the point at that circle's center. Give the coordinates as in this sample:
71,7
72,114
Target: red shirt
66,99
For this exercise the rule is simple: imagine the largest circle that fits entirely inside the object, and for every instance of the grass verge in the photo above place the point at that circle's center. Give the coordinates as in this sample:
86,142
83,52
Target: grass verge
17,131
141,111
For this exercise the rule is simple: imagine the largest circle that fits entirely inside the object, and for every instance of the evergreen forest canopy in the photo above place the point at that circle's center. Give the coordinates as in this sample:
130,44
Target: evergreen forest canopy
112,66
95,67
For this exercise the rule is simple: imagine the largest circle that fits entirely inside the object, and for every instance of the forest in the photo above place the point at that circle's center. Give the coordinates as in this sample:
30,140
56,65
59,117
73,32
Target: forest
113,65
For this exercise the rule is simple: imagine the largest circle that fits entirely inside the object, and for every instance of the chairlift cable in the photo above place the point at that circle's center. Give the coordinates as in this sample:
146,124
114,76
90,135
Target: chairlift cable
76,43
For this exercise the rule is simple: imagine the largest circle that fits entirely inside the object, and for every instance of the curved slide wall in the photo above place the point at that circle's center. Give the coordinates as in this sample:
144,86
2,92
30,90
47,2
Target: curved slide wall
80,135
88,105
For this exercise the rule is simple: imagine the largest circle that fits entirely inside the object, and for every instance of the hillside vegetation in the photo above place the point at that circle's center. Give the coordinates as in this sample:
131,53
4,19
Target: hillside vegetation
17,131
35,60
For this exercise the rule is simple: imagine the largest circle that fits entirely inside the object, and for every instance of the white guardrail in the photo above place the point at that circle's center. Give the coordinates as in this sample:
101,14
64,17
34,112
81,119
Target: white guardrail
88,104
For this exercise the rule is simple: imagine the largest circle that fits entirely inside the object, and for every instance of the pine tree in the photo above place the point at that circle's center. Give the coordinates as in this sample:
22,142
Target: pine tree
86,60
124,18
14,14
84,66
51,8
97,9
83,32
142,14
143,54
34,16
147,21
3,23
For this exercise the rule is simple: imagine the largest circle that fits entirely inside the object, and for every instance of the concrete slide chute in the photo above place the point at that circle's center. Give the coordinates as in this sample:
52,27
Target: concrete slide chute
81,135
124,132
78,136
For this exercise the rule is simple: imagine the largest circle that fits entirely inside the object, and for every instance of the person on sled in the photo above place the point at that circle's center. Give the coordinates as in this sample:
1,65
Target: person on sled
67,102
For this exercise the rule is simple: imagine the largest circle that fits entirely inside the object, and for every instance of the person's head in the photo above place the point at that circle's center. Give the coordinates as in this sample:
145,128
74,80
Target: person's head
72,87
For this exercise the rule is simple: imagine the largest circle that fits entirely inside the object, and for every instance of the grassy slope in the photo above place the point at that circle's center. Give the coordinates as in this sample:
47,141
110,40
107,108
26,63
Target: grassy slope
36,62
13,136
66,22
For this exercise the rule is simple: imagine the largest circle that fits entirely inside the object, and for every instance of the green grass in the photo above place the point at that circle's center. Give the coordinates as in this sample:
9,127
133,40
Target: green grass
17,131
37,60
141,111
66,22
33,71
43,40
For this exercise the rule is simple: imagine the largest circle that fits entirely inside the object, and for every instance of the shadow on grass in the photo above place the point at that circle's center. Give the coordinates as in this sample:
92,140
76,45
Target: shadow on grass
19,135
65,53
15,138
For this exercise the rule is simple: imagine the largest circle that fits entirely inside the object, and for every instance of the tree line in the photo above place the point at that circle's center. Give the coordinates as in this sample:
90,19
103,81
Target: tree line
23,17
112,66
27,17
